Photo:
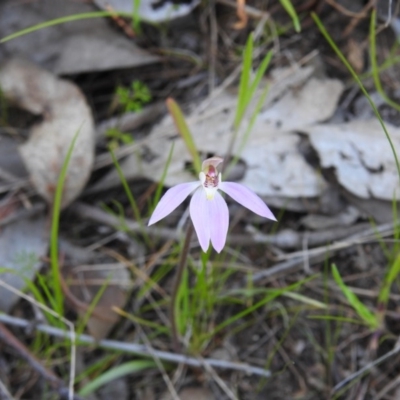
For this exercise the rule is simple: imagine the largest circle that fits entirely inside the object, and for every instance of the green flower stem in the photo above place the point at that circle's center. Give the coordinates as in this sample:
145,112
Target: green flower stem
175,289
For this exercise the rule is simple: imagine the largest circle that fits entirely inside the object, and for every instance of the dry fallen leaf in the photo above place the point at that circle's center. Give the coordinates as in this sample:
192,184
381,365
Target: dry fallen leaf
361,157
65,112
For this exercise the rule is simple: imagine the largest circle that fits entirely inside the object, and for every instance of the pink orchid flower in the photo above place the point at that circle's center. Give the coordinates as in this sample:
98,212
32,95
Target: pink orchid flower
208,209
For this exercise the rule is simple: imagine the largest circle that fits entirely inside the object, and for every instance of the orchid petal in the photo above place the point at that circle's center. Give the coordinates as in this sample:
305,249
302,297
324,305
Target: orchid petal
200,217
219,221
246,198
171,200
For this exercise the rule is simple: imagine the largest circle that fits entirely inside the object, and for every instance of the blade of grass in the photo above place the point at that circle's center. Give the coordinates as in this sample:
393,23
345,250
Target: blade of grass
391,275
161,329
83,323
246,135
115,373
132,200
246,92
35,291
160,185
259,74
96,367
337,318
304,299
136,16
268,298
244,83
62,20
128,192
182,304
374,65
288,6
55,269
363,312
184,131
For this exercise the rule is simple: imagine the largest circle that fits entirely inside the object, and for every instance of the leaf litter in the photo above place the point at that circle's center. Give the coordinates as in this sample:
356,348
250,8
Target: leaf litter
298,156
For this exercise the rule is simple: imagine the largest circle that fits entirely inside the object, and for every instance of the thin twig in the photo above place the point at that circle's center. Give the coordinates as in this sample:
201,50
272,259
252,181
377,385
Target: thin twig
286,239
367,368
343,10
250,11
134,348
177,284
160,366
293,261
220,382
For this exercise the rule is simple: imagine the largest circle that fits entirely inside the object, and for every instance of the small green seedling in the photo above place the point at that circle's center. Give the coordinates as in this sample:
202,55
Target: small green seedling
133,98
116,138
368,317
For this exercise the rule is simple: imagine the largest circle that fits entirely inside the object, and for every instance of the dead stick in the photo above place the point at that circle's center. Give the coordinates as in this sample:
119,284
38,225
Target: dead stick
134,348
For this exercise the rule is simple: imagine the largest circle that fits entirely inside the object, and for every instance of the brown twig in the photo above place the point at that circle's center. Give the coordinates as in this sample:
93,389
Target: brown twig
242,15
127,29
250,11
343,10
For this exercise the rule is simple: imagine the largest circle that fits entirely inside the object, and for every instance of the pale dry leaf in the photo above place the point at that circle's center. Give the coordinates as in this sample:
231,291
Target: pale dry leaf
65,112
361,157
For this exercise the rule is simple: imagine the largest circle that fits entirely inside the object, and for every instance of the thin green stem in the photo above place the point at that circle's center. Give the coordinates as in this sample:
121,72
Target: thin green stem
177,283
63,20
56,210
